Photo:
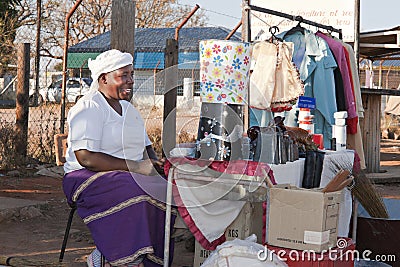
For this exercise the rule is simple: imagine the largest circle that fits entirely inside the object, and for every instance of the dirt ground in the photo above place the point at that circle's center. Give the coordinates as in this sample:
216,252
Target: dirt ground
40,237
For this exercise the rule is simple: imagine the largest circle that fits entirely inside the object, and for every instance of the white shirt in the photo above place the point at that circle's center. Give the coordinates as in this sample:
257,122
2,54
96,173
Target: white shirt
95,126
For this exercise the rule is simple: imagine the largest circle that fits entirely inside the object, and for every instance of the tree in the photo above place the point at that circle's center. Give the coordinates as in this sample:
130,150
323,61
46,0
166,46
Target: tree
165,13
93,17
8,27
14,14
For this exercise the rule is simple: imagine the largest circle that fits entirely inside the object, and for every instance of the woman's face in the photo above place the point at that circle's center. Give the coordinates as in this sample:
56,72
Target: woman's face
120,83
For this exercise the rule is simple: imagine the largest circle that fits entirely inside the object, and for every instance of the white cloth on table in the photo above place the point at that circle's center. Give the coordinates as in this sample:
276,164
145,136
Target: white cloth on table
95,126
210,215
333,161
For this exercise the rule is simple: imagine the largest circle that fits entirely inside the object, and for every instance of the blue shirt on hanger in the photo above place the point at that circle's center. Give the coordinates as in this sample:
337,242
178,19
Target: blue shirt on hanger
316,71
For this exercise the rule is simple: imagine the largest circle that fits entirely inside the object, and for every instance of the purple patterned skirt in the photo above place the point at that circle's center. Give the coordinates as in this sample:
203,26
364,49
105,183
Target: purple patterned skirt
125,213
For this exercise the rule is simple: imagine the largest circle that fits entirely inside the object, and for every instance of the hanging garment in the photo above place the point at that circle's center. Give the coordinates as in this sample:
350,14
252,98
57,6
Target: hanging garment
316,71
288,86
275,82
339,90
355,79
354,141
339,52
262,80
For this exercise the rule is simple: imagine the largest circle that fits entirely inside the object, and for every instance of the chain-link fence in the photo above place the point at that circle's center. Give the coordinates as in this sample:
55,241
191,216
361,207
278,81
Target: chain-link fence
389,78
42,116
44,113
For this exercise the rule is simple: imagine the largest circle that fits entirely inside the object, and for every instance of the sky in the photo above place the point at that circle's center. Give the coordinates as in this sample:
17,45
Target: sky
374,14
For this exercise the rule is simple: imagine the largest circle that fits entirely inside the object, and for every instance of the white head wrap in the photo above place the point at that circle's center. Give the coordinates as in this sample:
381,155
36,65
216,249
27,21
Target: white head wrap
107,62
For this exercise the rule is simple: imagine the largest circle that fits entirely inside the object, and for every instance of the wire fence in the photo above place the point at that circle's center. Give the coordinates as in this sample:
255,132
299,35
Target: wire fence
42,117
389,78
44,113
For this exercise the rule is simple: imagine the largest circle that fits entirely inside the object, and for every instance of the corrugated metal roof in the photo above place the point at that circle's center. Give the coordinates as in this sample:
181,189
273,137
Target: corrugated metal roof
375,45
150,46
142,60
154,39
152,60
385,63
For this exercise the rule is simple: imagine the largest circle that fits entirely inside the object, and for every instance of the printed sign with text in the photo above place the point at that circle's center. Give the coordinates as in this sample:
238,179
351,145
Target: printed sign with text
338,14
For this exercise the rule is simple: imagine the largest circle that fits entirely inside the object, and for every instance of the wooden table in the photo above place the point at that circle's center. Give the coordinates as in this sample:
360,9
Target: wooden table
371,125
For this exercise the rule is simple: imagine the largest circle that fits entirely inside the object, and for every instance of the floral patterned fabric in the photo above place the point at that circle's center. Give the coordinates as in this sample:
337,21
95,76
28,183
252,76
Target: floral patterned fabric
224,71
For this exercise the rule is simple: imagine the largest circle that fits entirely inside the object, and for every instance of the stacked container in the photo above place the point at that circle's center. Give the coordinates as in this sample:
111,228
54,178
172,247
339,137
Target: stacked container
305,120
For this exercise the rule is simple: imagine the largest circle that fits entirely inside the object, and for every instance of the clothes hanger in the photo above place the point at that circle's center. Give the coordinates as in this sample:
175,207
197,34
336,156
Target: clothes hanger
273,30
297,28
329,31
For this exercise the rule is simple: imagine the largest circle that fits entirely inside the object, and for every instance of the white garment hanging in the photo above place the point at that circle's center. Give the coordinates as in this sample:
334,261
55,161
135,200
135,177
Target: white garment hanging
275,82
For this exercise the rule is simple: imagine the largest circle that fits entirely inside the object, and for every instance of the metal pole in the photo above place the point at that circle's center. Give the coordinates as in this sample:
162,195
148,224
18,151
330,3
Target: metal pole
297,18
65,58
380,74
167,229
248,19
177,29
357,34
233,31
37,59
246,36
155,79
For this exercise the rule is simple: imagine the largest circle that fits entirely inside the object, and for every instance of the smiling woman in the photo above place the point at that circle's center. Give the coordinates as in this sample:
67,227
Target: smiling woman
116,188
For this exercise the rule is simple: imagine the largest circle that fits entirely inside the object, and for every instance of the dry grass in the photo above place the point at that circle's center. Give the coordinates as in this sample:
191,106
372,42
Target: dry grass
9,158
155,136
185,137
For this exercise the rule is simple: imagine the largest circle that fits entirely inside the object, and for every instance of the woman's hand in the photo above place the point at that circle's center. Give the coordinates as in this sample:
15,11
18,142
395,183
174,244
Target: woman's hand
147,167
159,166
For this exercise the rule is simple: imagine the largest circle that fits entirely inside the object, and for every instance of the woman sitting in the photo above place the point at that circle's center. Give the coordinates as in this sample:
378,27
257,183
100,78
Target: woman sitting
116,187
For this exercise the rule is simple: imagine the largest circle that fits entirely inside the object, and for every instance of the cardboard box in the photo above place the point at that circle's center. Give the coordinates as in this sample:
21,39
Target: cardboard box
302,219
249,221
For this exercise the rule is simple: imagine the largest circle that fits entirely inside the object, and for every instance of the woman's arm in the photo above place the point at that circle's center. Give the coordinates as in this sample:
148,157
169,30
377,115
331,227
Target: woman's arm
97,161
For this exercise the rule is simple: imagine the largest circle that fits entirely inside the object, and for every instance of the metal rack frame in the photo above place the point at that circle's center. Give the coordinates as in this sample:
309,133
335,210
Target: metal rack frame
295,18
